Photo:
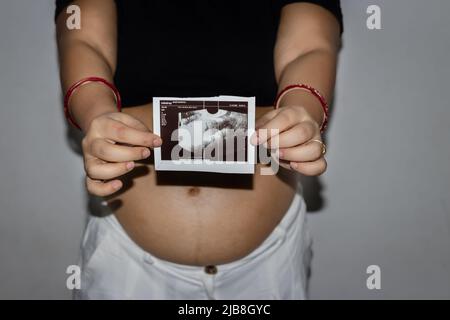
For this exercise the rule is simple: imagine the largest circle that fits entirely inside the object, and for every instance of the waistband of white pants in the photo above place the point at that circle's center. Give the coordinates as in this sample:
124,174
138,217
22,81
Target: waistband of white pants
287,224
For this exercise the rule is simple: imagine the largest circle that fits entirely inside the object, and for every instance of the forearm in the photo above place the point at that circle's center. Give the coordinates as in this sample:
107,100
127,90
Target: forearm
78,60
89,51
316,68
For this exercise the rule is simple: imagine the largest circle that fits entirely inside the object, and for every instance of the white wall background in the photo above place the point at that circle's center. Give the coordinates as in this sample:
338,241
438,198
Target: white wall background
387,189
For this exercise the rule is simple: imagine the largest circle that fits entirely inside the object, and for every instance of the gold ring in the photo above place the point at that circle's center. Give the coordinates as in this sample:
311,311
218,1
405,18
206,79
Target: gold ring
324,147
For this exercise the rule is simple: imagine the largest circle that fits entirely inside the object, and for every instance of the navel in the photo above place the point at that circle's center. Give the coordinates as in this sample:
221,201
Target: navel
193,191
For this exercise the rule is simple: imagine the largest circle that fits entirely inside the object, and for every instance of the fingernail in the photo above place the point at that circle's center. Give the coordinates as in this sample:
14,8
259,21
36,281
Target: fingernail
146,153
157,142
116,184
130,165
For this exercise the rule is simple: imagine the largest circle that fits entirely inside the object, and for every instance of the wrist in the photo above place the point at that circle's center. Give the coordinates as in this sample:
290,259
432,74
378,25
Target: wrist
89,102
307,101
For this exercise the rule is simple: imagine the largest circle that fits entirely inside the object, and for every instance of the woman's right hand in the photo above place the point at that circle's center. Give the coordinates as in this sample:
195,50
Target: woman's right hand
112,143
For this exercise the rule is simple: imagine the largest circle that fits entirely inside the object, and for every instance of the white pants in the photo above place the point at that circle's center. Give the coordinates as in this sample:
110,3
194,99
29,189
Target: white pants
115,267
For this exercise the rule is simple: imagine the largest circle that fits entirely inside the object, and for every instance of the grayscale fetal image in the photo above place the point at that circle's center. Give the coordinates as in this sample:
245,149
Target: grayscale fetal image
200,130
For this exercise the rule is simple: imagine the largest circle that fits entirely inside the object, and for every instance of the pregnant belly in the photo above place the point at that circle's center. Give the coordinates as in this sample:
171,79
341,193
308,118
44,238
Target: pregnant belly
200,218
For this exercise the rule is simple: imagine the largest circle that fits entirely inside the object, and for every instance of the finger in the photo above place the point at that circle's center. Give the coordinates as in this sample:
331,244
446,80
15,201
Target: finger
281,122
295,136
119,132
265,118
104,150
313,168
130,121
99,170
102,189
310,151
259,123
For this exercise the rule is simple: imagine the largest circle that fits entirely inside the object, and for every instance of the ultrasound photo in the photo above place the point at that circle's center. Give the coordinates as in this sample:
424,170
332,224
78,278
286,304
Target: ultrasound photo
205,134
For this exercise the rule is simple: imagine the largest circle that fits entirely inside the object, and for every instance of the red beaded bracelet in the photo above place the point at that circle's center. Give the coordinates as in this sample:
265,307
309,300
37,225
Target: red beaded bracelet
80,83
312,90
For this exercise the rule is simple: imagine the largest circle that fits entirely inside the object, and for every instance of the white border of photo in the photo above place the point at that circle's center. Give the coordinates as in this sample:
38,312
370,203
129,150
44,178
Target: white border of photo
247,167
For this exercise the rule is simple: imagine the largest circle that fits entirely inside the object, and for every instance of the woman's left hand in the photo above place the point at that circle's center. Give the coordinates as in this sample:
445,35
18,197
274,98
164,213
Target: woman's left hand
296,137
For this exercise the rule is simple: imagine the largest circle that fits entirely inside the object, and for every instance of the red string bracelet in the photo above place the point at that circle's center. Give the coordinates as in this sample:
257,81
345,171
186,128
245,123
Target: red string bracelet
80,83
312,90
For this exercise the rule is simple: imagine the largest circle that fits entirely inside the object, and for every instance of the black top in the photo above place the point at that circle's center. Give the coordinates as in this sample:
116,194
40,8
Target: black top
198,48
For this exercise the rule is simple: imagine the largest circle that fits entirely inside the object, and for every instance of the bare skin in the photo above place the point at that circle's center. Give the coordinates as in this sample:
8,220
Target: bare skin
192,218
183,218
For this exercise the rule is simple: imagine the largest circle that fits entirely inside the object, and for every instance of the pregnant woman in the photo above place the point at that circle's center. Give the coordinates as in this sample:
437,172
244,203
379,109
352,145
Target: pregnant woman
181,235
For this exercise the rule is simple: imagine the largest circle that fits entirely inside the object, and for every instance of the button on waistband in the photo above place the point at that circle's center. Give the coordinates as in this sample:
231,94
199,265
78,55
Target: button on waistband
211,269
148,258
